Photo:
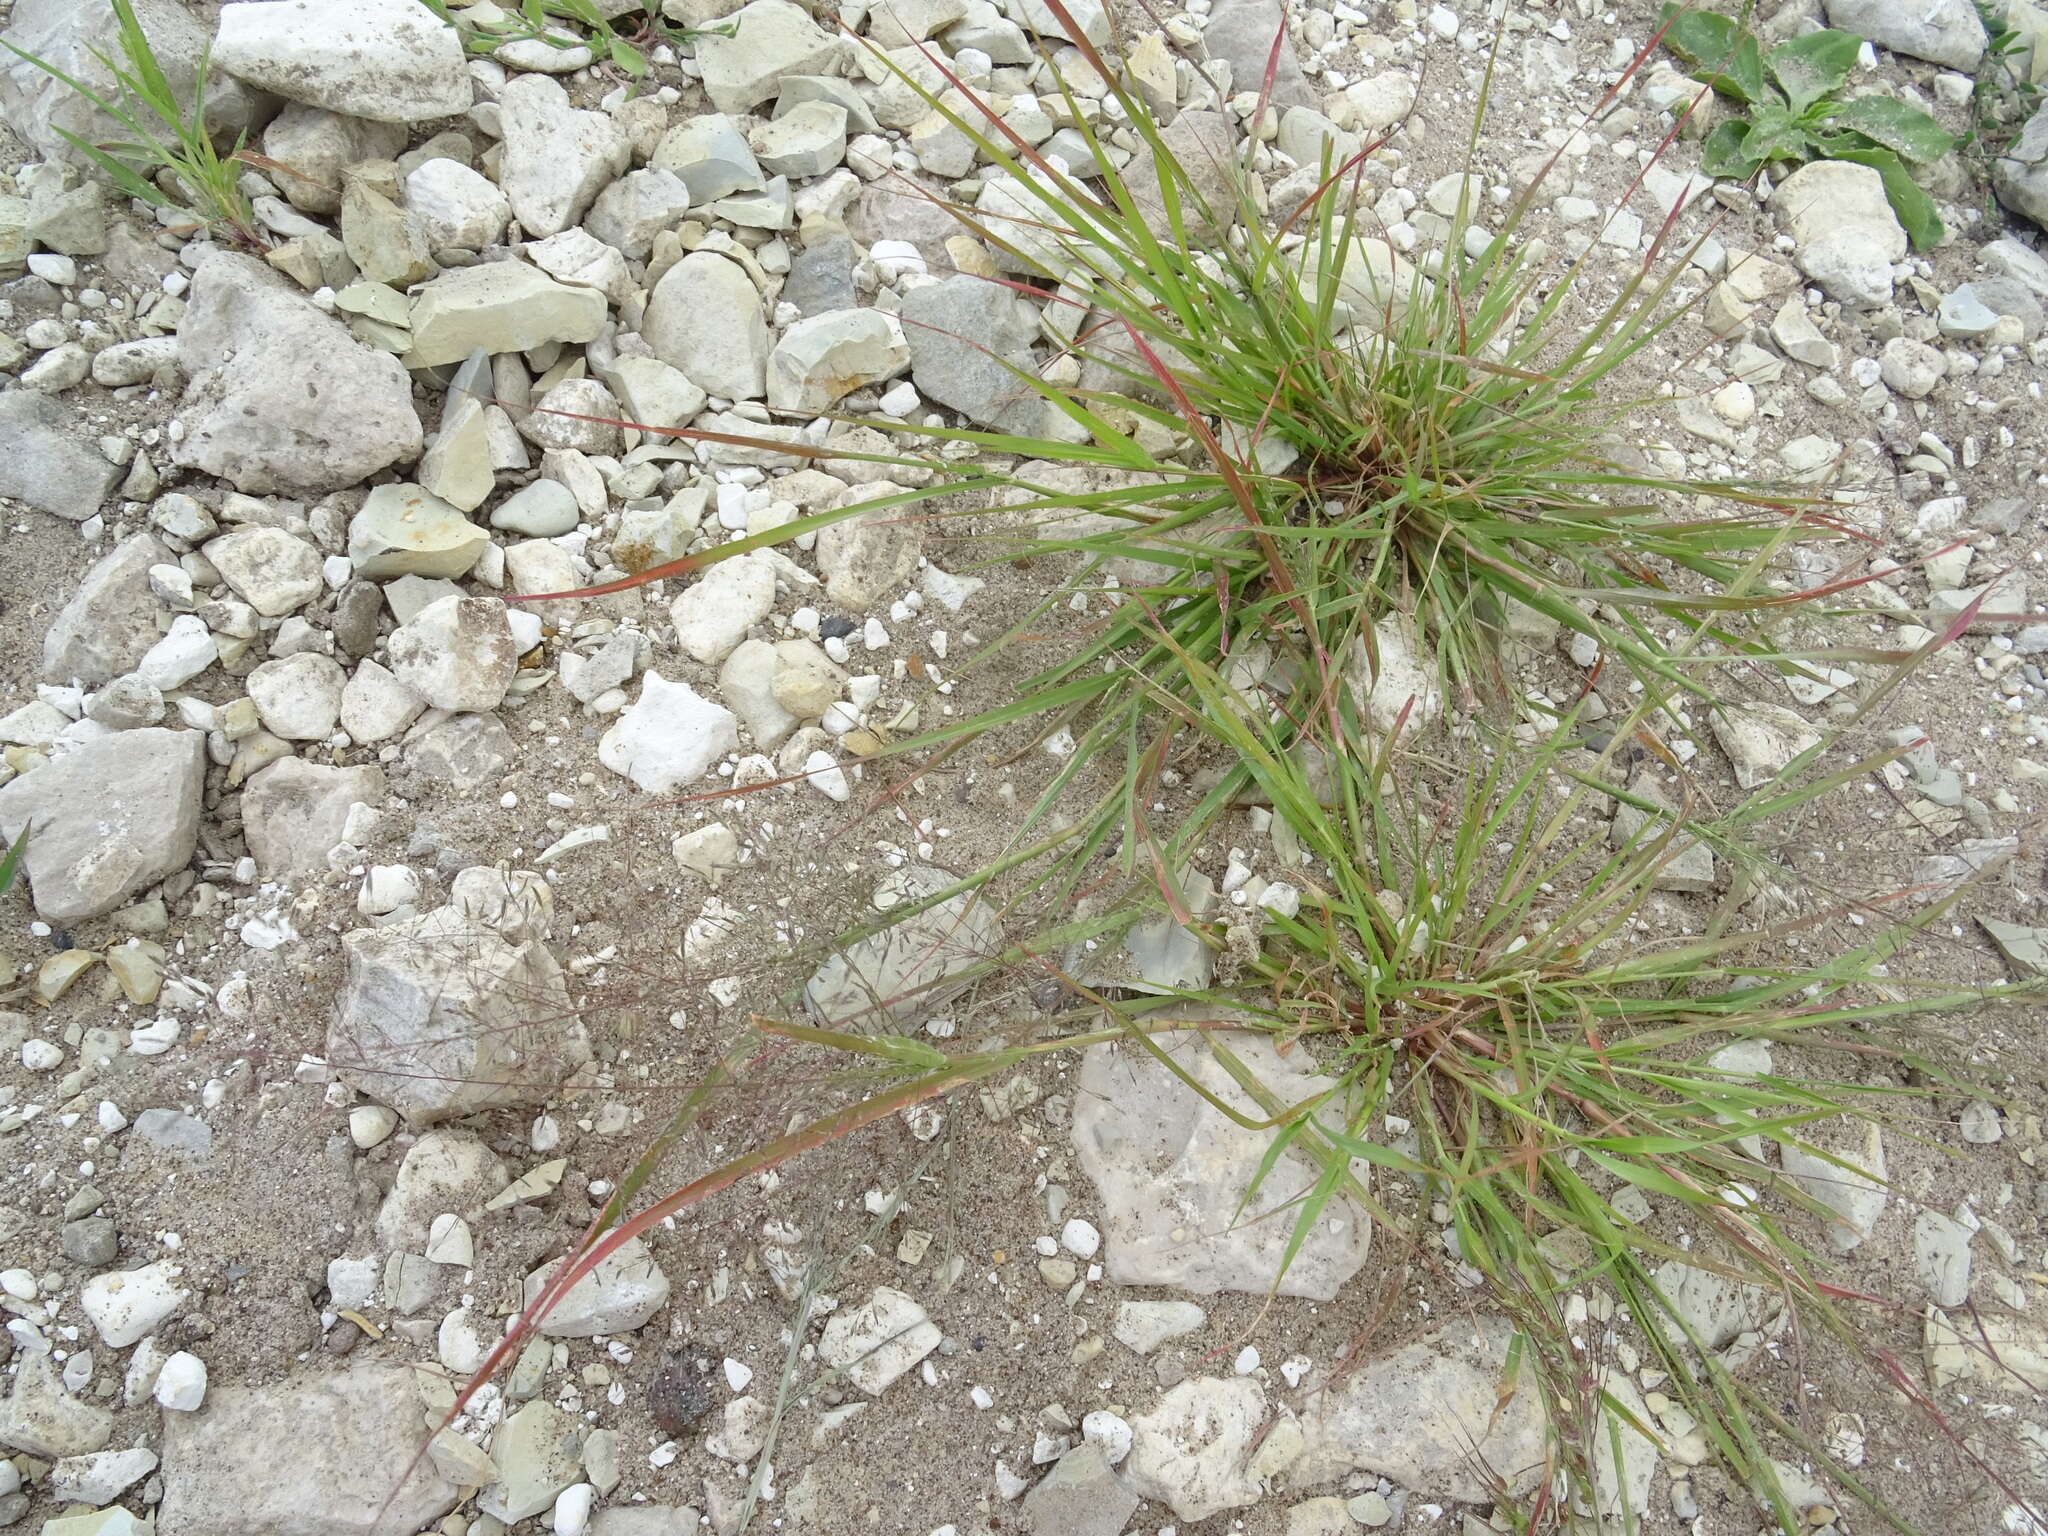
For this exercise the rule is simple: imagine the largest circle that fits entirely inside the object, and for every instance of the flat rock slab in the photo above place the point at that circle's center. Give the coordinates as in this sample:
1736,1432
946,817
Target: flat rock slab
1428,1416
1173,1172
47,461
107,819
911,970
312,1456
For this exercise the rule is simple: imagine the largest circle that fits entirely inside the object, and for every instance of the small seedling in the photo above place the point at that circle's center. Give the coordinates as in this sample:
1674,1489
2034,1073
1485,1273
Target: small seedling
171,142
1795,111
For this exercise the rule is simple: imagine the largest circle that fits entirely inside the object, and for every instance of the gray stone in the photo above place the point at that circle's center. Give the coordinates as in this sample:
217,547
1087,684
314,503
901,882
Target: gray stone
101,1477
1685,864
630,212
456,653
318,146
1846,235
47,461
557,158
619,1294
821,358
1429,1416
711,156
468,752
1849,1179
229,1471
1241,32
713,614
387,60
91,1240
109,623
75,38
1081,1496
808,140
294,811
1708,1310
705,319
272,571
1761,740
541,510
2026,949
107,819
2000,297
1911,368
455,205
1940,31
769,40
439,1020
966,336
1174,1174
403,530
500,306
444,1170
1191,1450
575,415
2025,265
821,276
794,91
911,969
282,397
538,1453
41,1418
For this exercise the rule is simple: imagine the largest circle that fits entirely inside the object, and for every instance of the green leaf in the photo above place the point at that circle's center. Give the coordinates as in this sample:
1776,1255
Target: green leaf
629,58
11,865
1903,129
1812,66
1726,152
1720,52
1776,133
1914,207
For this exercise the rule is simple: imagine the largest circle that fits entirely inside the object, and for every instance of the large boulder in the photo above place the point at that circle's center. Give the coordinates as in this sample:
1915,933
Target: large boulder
282,397
441,1017
107,819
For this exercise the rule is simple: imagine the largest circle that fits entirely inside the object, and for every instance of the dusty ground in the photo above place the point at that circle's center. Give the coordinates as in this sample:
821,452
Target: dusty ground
283,1191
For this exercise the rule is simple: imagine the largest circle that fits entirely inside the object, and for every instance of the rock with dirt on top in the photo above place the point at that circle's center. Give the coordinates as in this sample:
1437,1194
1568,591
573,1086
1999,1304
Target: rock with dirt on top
1175,1174
714,613
821,358
49,462
282,397
269,569
1415,1415
439,1019
619,1294
1080,1496
42,109
316,146
879,1341
867,558
43,1419
294,811
391,61
228,1472
913,968
106,819
1761,740
456,653
1192,1450
1846,237
109,623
